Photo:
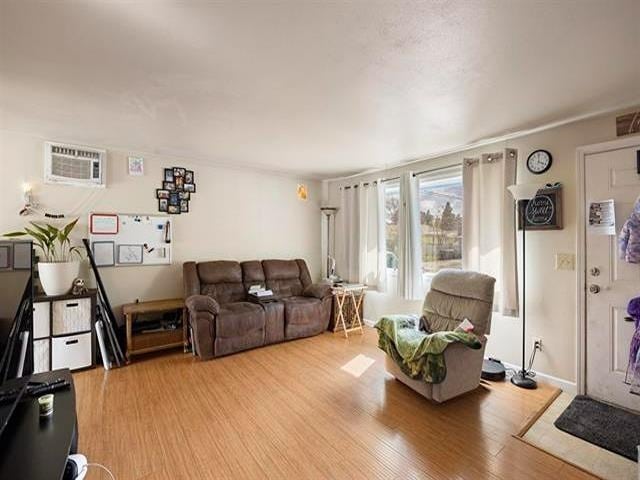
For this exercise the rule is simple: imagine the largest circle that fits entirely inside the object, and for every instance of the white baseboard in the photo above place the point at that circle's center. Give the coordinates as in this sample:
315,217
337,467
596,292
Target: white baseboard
564,385
369,323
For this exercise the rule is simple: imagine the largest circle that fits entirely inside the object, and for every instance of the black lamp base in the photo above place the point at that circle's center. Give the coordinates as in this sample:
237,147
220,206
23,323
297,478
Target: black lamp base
520,379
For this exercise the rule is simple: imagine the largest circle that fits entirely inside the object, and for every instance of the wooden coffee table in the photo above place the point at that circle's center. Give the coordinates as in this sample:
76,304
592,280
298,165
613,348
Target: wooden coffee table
139,343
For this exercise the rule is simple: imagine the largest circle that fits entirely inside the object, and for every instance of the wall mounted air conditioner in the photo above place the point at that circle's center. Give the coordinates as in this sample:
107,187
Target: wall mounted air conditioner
74,165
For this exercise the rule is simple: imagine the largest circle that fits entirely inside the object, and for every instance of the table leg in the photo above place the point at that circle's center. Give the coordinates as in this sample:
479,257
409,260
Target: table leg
341,299
356,305
185,337
129,323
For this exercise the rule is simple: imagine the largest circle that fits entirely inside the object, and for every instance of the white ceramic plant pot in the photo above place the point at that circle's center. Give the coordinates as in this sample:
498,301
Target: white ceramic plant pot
57,278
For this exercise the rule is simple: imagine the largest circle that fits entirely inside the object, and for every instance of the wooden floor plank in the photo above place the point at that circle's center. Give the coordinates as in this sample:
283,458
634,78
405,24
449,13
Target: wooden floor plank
289,411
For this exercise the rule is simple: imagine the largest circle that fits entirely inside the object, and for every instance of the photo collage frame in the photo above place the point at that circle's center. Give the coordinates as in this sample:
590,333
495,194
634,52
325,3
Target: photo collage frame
178,184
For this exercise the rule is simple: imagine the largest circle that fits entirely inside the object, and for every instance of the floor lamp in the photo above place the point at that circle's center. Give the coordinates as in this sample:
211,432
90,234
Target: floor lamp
330,213
524,192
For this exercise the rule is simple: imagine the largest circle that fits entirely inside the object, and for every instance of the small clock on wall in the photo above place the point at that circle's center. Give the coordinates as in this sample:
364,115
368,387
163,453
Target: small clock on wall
539,162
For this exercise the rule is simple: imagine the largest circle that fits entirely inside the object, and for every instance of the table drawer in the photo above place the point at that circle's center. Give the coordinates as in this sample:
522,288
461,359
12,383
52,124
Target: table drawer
41,320
70,316
41,355
73,351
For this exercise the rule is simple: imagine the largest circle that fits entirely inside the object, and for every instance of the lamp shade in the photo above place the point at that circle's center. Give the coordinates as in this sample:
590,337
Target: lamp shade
524,191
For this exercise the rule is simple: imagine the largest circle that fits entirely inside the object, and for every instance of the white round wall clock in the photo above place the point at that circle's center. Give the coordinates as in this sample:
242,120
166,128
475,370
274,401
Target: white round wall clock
539,162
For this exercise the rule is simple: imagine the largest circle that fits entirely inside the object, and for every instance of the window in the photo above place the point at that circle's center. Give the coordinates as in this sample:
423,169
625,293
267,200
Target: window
391,234
440,196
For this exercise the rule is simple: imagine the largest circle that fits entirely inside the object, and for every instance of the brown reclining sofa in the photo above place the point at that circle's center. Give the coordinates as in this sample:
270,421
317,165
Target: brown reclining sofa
222,319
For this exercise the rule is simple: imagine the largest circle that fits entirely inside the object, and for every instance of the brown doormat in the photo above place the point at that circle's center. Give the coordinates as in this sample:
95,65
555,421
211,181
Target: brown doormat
609,427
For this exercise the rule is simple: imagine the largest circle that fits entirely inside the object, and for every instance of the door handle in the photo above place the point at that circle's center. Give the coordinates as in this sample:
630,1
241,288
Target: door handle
593,288
629,319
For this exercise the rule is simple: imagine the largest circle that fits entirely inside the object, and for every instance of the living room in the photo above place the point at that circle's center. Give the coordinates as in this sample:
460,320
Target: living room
323,240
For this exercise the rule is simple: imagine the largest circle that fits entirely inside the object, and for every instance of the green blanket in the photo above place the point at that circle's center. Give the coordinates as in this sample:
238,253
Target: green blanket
419,355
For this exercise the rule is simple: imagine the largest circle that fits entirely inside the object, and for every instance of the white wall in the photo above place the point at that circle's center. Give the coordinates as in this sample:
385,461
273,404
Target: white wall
551,294
235,214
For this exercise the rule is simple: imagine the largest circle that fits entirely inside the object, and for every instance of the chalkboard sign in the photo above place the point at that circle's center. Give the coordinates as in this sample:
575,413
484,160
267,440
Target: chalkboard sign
544,212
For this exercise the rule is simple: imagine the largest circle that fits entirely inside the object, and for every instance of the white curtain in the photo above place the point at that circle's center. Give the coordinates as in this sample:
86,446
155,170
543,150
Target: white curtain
488,234
348,255
361,255
410,268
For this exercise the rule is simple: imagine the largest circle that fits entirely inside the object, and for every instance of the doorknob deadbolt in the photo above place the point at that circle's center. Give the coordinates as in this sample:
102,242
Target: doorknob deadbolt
595,271
593,288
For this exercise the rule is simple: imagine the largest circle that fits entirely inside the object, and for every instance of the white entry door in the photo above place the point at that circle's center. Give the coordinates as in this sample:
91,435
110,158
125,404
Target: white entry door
611,282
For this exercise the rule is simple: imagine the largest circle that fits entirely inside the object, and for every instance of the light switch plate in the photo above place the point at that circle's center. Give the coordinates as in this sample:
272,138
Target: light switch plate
565,261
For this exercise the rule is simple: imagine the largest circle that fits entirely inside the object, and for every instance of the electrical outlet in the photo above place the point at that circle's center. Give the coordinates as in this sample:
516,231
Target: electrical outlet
537,343
565,261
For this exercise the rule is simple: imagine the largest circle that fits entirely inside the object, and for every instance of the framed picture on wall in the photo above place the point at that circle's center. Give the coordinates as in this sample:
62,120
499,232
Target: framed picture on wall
544,212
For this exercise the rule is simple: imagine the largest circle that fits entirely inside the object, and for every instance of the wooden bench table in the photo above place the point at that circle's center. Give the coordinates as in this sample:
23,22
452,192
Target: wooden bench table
146,342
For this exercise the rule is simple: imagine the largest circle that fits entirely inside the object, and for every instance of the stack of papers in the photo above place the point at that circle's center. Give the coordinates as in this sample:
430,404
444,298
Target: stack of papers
259,291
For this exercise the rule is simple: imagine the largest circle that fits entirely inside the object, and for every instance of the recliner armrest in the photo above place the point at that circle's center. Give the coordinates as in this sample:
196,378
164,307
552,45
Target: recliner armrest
318,290
202,303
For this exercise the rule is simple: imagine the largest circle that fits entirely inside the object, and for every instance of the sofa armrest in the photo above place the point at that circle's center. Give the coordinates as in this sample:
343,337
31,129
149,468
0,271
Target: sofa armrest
464,367
202,311
318,290
202,303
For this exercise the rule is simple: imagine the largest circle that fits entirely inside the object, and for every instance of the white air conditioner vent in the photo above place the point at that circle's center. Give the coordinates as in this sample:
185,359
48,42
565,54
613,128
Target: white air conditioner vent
74,165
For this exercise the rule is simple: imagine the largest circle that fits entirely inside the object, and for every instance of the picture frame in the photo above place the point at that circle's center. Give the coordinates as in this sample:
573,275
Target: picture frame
104,253
545,213
104,224
178,184
160,193
5,257
130,254
22,253
136,166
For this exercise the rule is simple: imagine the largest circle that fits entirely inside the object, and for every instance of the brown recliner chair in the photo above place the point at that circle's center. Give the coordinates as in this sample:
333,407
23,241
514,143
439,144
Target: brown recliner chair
224,322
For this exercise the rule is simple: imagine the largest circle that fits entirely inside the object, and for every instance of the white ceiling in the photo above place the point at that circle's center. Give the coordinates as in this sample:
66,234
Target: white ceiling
313,88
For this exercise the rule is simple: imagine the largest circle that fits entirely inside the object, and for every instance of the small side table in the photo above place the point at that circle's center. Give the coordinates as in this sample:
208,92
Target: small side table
147,342
343,294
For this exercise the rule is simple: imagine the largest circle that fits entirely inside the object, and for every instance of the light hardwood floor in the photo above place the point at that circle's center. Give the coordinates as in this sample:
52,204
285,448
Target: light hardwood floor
289,411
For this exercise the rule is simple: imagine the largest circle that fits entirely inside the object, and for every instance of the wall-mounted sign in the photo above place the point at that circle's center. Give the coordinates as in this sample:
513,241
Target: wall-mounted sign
543,212
628,124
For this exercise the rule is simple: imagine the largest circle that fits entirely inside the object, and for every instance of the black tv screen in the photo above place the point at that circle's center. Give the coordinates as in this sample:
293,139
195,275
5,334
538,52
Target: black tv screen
15,304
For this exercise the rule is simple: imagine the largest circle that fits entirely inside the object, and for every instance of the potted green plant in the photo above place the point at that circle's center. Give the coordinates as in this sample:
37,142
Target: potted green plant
60,261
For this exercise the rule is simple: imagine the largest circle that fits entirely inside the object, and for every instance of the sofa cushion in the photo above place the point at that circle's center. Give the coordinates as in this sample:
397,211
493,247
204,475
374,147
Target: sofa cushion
252,273
302,310
283,277
456,295
303,317
239,318
222,280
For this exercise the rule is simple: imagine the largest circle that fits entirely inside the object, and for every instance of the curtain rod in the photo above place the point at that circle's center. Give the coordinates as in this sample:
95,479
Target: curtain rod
365,184
437,169
374,182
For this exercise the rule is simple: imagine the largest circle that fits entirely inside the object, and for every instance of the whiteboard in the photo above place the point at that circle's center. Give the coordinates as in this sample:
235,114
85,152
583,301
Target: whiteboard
150,234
